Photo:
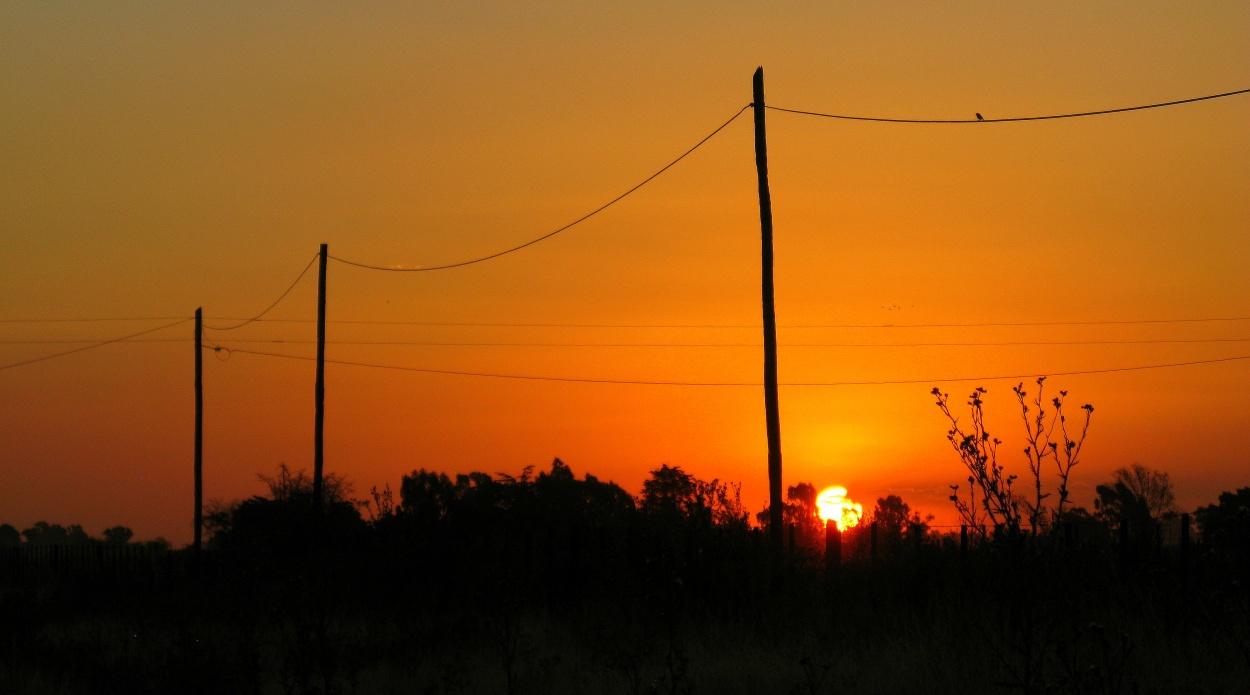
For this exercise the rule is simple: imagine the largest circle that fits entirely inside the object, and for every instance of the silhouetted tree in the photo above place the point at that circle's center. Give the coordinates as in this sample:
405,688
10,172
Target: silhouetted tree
43,533
118,535
1138,494
894,519
159,543
1225,526
670,492
296,486
607,502
724,502
425,496
9,536
800,511
477,502
270,530
217,516
893,516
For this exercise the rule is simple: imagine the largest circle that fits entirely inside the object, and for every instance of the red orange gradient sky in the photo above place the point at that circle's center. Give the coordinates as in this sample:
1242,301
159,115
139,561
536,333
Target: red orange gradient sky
159,158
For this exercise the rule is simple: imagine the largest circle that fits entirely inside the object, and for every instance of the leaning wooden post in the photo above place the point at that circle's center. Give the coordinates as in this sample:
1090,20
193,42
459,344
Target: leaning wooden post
772,417
199,430
320,388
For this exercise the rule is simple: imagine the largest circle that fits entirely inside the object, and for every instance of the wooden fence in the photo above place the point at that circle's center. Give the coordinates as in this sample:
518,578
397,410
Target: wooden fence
95,561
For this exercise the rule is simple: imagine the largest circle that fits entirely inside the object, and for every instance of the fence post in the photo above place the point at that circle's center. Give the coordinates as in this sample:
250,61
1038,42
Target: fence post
917,531
790,540
872,542
833,547
1184,539
963,541
1124,547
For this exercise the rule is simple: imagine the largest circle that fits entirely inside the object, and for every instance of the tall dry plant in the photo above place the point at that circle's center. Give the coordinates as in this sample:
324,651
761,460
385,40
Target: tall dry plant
978,451
1041,436
1000,505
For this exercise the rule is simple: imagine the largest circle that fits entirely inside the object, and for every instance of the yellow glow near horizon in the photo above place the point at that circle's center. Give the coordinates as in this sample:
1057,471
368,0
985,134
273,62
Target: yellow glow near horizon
832,503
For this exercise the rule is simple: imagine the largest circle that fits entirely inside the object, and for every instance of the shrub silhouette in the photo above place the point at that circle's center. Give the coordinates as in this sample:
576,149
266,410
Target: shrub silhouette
1225,526
43,533
1138,494
272,530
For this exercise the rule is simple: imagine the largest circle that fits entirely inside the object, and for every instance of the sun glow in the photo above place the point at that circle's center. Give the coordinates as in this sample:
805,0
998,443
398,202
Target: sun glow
833,504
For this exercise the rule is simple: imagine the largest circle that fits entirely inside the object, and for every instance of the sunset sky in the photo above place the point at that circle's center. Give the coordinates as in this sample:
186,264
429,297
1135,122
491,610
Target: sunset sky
156,158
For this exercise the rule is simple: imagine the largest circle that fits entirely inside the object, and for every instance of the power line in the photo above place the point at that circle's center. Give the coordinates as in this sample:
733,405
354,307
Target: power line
548,235
92,320
482,324
459,324
1015,119
528,377
271,306
427,343
96,345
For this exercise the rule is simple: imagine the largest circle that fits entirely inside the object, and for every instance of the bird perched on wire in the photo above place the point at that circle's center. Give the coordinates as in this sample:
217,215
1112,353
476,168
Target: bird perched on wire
980,117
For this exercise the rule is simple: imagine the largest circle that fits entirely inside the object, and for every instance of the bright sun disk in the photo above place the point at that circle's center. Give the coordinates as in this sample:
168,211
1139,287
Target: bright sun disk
833,504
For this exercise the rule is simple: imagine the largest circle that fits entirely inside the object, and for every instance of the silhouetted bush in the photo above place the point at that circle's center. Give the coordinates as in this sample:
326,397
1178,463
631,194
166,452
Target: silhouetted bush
43,533
1225,526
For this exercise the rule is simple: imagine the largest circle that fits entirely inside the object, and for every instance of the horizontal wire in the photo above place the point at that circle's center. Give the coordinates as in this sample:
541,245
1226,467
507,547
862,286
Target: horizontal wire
479,324
423,343
548,235
96,345
999,324
94,320
528,377
271,306
1015,119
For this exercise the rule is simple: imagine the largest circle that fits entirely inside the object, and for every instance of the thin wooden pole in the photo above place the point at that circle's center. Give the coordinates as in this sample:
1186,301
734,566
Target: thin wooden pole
199,429
772,415
320,389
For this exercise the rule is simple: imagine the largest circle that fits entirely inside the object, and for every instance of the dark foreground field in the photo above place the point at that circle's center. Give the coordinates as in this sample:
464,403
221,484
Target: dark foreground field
646,610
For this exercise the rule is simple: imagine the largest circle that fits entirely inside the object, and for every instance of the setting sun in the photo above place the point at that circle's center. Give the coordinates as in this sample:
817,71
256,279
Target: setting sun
833,504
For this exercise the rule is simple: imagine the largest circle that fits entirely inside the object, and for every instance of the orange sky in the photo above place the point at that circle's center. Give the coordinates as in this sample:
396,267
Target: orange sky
159,159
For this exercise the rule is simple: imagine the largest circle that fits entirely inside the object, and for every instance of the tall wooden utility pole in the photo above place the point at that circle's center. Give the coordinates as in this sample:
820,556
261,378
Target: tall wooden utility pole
772,416
199,428
320,393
